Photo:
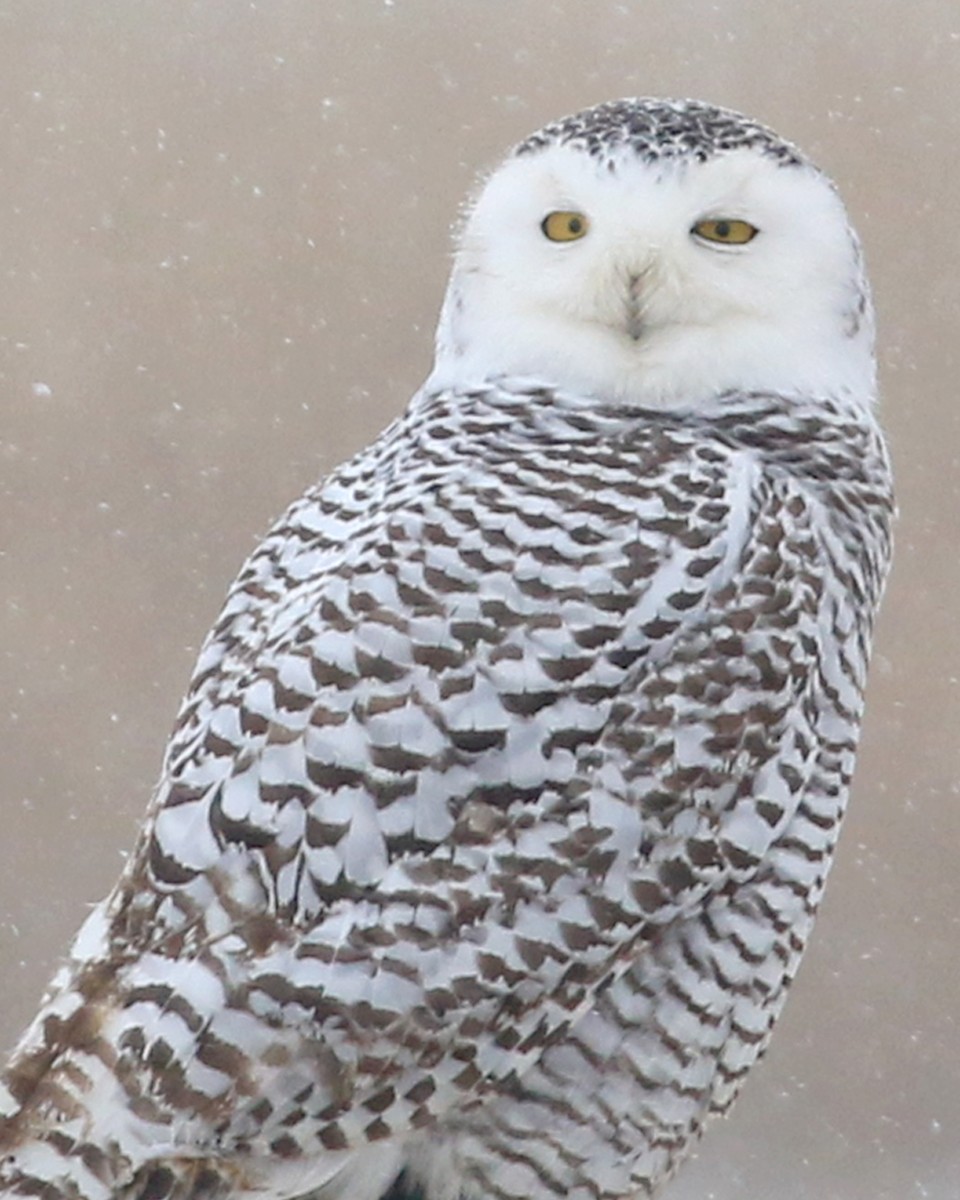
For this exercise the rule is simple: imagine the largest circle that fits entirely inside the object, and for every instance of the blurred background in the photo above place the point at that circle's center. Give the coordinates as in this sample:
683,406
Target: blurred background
224,237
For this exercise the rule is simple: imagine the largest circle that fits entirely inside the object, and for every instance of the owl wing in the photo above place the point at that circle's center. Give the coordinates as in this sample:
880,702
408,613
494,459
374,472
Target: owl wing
470,730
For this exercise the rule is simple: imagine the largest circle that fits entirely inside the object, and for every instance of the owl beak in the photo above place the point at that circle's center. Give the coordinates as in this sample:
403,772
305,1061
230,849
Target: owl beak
634,322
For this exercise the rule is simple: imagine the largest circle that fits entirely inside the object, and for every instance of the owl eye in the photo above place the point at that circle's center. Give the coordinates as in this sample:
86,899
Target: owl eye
727,231
564,226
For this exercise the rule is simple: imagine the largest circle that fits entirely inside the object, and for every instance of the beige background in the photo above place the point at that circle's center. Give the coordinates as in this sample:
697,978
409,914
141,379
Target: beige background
223,240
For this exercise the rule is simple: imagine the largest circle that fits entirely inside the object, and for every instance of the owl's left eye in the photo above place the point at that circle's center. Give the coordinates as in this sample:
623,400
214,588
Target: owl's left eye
726,231
563,226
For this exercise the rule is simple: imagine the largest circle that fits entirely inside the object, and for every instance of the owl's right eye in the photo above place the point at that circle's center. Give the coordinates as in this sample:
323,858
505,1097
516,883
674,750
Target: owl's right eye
562,226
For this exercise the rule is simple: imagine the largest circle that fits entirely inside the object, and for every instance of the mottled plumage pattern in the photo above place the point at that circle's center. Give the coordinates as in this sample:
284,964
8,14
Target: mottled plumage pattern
495,818
661,130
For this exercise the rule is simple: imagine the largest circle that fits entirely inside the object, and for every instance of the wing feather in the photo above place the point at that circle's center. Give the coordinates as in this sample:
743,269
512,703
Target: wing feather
486,712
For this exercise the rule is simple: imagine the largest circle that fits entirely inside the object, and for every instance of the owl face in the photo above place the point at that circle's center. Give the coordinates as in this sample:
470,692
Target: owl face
659,282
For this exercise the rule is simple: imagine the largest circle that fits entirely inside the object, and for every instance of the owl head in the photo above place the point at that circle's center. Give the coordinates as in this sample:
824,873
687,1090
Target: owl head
658,253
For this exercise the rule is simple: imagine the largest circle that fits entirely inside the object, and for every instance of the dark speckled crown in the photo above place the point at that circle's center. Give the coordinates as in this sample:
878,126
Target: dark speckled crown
658,130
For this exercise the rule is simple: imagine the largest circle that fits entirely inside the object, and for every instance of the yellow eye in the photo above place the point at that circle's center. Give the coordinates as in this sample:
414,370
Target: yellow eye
564,226
727,231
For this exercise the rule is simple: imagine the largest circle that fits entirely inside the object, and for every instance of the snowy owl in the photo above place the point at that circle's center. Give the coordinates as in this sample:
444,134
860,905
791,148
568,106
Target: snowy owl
499,807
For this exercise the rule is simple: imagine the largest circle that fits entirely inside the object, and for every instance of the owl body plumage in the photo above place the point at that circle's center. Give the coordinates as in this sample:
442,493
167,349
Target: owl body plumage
496,816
